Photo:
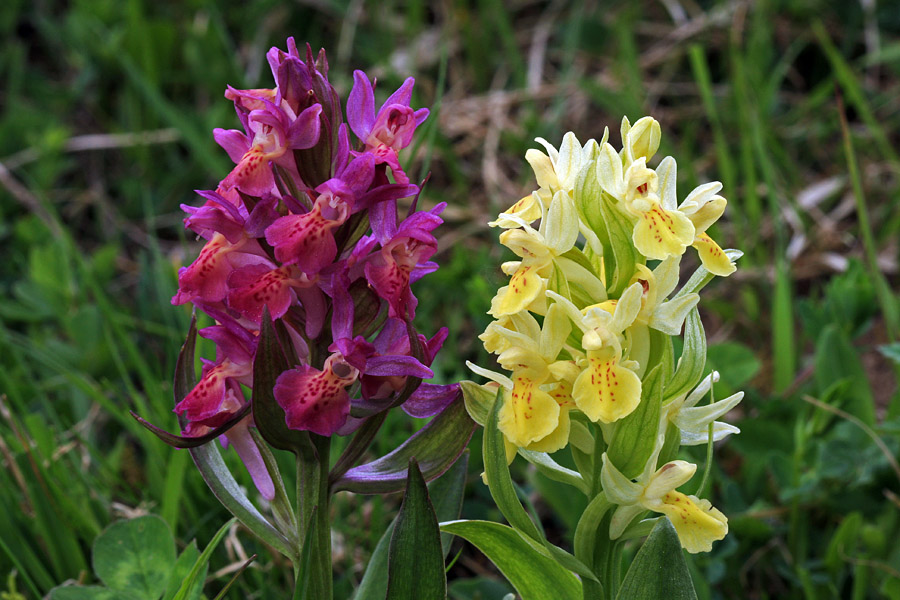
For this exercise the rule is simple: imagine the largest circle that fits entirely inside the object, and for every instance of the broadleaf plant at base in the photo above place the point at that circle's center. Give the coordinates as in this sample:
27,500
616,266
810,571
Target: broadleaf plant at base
583,336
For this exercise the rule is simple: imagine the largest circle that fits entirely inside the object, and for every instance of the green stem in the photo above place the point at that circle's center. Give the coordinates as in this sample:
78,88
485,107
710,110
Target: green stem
313,492
323,518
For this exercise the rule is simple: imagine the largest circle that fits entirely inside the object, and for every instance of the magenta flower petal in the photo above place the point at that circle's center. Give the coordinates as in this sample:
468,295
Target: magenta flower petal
239,437
430,399
316,400
361,106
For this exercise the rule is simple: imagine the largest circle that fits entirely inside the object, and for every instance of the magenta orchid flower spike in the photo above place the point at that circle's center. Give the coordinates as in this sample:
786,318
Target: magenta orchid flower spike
306,271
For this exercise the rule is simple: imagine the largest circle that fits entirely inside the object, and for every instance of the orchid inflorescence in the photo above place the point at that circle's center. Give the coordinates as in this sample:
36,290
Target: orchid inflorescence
583,330
304,231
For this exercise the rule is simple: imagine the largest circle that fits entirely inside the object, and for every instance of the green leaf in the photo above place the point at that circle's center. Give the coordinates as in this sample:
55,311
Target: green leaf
659,569
436,447
478,400
837,359
416,560
635,435
135,556
503,491
692,360
499,481
181,570
555,471
446,493
891,351
620,233
843,543
535,576
194,577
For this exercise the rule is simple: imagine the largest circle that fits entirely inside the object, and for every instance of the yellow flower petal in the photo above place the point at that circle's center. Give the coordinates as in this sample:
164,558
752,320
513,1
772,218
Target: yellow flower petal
606,391
661,233
556,439
698,524
528,209
528,414
524,287
713,257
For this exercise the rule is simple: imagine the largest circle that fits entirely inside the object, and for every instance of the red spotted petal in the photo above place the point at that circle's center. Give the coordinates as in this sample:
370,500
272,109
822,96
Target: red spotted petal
316,400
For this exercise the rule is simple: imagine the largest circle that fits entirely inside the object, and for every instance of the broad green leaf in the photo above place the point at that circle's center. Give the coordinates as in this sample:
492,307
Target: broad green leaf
659,569
181,570
504,493
436,447
635,436
588,529
843,543
446,493
692,360
535,576
891,351
499,481
135,556
416,560
198,570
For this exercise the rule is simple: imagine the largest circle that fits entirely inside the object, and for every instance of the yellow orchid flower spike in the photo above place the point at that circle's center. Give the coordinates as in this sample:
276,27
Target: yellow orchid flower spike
698,524
605,390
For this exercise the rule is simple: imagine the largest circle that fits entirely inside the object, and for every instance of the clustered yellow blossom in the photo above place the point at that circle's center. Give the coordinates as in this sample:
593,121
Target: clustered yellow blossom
599,247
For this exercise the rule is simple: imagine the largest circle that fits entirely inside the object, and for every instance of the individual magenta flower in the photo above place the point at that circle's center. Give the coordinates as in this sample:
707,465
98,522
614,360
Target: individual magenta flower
391,129
402,259
697,522
271,133
317,400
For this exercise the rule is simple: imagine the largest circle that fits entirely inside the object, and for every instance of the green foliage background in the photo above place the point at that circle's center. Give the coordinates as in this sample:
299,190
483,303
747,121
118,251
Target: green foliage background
106,112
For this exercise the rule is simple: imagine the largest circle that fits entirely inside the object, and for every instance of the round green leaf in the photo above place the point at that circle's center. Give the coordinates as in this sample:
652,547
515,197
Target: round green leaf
135,557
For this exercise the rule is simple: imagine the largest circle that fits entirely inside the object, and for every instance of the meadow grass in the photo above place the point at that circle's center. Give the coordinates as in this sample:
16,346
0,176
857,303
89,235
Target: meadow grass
793,104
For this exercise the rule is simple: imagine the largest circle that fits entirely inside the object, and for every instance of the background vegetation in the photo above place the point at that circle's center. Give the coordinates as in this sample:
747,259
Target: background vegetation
106,111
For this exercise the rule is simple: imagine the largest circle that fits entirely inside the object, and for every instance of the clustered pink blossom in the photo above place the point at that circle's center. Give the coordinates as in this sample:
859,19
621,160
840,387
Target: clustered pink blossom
305,228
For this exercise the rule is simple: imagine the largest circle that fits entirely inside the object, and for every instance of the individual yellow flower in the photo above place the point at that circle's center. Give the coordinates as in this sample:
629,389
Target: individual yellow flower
606,389
698,524
660,230
537,396
541,251
703,207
